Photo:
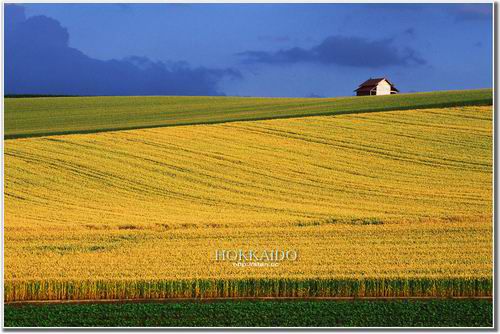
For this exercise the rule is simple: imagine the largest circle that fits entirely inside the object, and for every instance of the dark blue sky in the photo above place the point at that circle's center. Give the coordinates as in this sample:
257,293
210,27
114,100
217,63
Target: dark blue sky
244,49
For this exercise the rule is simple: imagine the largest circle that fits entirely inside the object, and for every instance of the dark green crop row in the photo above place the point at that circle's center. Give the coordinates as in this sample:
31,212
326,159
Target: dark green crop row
232,313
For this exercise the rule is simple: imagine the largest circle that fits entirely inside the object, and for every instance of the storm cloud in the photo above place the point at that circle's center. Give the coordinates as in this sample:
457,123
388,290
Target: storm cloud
39,60
343,51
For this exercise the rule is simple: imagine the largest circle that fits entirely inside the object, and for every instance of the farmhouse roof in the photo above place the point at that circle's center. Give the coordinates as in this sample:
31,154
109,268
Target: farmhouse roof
372,83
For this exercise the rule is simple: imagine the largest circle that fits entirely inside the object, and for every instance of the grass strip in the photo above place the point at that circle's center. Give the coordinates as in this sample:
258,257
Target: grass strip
43,116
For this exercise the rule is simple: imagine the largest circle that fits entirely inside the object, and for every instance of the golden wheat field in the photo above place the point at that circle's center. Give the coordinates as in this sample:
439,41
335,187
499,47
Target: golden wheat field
392,203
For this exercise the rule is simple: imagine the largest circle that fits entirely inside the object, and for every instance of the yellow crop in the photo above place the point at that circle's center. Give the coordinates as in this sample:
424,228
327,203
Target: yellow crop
392,203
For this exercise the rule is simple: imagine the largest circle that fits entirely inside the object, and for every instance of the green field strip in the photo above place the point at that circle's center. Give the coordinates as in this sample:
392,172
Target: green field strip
359,313
35,117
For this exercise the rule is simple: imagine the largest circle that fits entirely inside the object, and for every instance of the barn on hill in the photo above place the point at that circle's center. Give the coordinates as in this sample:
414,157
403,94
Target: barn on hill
376,86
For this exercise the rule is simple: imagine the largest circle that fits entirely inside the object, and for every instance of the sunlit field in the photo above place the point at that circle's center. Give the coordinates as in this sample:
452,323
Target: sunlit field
393,203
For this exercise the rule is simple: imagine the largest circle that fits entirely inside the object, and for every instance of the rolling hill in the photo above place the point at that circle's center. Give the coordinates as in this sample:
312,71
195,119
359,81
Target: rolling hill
394,203
33,117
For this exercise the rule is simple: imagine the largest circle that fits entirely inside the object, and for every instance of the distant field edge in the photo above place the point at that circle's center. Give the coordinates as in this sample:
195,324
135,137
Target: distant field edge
35,290
37,117
236,313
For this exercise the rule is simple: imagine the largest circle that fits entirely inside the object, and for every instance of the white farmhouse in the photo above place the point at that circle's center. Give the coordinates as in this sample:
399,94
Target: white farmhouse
376,86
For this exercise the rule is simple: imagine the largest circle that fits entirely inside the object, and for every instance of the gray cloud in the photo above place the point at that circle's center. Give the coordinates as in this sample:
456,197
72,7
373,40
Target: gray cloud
343,51
39,60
